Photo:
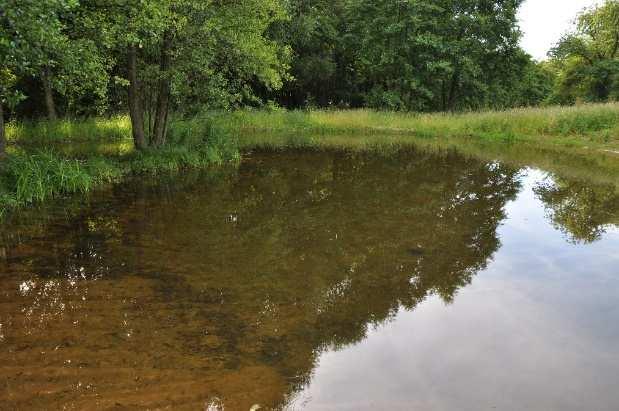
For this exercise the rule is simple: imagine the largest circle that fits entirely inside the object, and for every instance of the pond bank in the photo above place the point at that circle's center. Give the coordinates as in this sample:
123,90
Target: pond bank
51,159
36,175
593,126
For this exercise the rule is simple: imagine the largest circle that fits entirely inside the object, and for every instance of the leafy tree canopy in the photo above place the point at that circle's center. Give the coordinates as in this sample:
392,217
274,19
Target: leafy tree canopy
586,59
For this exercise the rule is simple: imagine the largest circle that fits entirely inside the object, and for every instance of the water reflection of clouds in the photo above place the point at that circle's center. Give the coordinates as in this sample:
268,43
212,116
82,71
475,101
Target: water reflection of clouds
535,330
497,346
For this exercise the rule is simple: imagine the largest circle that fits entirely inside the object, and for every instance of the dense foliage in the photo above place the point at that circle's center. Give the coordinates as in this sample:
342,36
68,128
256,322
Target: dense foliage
407,55
165,54
586,60
150,58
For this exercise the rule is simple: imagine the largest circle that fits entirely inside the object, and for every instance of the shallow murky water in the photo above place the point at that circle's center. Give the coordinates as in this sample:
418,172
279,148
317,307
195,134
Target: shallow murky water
308,280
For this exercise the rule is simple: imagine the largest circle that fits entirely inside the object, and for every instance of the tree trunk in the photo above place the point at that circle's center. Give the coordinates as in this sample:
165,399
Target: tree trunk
453,90
443,96
49,95
136,110
2,134
163,95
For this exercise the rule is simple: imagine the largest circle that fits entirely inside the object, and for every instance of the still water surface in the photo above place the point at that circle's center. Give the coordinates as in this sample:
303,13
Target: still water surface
317,281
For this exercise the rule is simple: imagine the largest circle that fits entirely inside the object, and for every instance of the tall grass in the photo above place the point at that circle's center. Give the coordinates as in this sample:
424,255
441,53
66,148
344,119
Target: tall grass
579,142
91,129
579,125
42,175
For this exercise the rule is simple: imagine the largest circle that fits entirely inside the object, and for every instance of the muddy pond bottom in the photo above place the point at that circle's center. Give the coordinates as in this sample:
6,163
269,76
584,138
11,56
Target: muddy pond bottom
317,281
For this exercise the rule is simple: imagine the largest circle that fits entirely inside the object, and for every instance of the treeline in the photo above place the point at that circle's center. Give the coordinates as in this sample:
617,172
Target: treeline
585,62
142,56
442,55
408,55
90,57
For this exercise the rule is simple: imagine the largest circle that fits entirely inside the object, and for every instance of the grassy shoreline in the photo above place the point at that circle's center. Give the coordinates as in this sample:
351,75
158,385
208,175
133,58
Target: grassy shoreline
592,126
48,160
580,142
40,168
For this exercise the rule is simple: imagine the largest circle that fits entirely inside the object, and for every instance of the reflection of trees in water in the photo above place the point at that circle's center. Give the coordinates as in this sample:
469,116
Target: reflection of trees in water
294,254
398,229
582,210
51,272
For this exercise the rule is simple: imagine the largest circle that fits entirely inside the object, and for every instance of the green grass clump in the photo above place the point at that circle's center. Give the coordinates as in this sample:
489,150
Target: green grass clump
34,175
172,158
39,176
30,178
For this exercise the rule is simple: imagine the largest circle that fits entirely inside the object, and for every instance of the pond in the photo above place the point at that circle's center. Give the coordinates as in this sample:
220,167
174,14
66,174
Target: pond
307,280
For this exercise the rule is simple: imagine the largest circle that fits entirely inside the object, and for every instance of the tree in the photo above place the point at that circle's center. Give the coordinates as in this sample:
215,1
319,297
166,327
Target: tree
167,53
319,64
185,51
226,52
25,27
524,83
406,55
79,66
432,55
587,59
7,80
34,43
396,49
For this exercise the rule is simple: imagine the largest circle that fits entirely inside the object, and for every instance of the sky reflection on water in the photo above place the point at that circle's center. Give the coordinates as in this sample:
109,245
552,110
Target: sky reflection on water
536,330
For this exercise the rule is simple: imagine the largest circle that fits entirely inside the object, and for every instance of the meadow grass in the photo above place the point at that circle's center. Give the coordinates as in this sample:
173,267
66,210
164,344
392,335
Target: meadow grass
580,126
69,130
591,125
577,142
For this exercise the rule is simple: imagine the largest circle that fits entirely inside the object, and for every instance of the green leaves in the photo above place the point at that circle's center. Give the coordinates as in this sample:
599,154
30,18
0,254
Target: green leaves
221,49
587,60
431,54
